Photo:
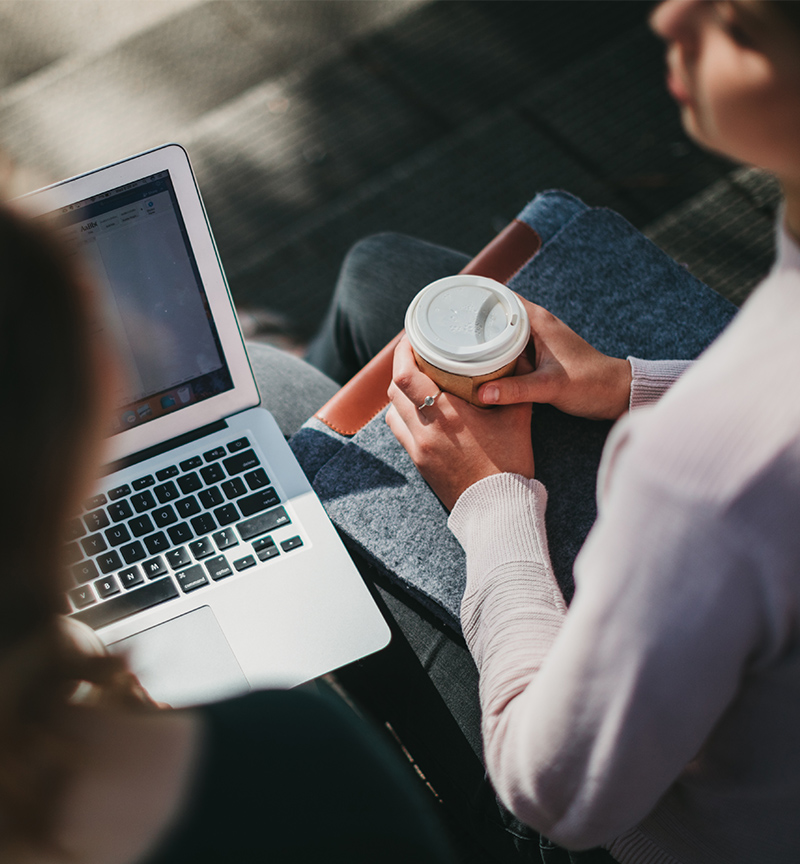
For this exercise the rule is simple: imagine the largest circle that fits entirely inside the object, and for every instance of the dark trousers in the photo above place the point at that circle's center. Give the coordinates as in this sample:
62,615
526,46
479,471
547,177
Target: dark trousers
425,685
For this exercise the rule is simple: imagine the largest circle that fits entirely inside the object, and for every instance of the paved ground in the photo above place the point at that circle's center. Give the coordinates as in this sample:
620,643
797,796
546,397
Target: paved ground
313,123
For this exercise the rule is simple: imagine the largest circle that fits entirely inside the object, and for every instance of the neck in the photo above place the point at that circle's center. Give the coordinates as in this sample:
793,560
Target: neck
791,194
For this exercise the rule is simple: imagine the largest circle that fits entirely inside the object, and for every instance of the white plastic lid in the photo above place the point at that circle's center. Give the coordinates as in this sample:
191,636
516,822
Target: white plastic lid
467,325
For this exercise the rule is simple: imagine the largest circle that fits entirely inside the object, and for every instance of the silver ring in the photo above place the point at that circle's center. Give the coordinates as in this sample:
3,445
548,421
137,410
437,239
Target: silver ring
429,400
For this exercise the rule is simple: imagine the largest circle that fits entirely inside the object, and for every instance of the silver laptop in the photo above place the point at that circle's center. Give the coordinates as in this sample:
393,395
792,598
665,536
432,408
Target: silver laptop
205,556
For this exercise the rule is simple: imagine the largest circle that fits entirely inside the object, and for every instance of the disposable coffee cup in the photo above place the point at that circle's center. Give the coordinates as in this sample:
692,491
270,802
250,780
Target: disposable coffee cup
465,331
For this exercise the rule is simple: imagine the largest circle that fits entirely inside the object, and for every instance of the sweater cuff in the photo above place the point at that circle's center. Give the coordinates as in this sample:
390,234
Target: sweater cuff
501,519
652,379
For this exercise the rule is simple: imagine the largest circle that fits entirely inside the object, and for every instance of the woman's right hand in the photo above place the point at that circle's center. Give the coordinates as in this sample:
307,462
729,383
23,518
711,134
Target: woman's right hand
570,374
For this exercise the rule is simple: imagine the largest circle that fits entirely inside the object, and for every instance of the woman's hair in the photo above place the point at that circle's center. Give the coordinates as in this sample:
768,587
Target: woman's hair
52,407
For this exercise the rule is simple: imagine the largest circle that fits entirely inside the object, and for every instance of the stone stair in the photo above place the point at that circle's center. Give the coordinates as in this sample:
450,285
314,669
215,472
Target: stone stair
313,123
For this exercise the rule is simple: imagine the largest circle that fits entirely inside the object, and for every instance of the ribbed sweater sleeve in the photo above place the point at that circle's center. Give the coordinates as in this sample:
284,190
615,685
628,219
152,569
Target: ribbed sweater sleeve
512,608
652,379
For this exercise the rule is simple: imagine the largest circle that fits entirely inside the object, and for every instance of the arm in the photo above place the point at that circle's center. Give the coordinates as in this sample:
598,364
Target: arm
589,716
576,378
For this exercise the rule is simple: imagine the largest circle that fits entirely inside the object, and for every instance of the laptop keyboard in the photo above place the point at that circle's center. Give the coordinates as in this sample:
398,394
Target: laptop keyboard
173,532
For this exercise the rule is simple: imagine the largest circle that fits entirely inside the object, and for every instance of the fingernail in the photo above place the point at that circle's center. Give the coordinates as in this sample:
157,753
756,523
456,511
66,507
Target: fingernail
490,393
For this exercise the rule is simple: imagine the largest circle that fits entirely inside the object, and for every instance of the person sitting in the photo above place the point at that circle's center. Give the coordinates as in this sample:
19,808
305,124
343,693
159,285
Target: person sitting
90,770
656,716
654,719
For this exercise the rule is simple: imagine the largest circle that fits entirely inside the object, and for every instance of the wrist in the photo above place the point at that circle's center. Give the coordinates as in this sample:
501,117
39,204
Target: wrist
620,377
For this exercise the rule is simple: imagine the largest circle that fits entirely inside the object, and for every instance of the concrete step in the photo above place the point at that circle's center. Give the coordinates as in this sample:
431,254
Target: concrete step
290,183
34,35
725,234
100,105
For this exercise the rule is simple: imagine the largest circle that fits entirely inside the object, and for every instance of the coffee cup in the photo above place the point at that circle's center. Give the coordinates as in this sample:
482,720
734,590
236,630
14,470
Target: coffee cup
465,331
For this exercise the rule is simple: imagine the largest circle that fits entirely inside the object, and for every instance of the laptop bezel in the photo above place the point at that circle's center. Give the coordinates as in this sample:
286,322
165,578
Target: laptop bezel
244,392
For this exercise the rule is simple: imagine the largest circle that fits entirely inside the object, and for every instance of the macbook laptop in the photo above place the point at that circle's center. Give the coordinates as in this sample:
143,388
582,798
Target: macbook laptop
204,555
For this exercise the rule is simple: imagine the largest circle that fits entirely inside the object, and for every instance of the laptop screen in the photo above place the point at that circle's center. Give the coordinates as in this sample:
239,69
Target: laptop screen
134,241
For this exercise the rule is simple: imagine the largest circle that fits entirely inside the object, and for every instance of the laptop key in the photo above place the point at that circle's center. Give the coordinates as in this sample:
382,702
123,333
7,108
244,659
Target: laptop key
96,520
265,548
203,524
117,534
258,501
167,473
191,579
107,587
167,492
225,539
187,507
202,548
257,479
133,552
85,572
83,596
190,483
143,482
178,558
157,543
143,501
238,444
218,568
164,516
154,568
109,561
243,461
291,543
216,453
191,464
262,523
210,497
234,488
119,492
212,473
141,525
126,604
119,510
94,544
243,563
75,529
180,533
131,577
227,514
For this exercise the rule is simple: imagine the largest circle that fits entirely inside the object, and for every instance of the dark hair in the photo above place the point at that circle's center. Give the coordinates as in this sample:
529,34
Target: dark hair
788,10
50,403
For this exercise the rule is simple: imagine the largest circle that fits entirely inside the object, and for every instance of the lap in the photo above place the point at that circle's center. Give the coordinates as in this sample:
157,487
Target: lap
291,389
377,281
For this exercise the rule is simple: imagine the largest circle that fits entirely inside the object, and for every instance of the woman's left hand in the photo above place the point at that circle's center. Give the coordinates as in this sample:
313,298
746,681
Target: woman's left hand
453,443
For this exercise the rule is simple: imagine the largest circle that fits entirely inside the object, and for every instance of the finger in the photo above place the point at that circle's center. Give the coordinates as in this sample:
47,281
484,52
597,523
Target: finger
398,427
514,389
405,372
524,365
408,381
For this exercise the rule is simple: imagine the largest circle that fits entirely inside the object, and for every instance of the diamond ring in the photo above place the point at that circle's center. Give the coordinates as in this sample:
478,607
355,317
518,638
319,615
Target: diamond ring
428,401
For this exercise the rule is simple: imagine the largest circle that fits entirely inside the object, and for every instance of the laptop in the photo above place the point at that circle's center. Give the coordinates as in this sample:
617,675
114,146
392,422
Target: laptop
204,555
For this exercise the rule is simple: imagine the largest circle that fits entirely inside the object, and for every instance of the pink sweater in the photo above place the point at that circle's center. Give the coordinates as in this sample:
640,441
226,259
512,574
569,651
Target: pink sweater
660,715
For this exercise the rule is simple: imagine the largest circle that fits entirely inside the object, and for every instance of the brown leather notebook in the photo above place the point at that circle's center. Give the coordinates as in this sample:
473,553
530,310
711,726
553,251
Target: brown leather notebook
364,395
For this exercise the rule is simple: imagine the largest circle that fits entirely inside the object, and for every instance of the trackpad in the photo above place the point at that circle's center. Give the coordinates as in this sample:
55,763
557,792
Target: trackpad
185,661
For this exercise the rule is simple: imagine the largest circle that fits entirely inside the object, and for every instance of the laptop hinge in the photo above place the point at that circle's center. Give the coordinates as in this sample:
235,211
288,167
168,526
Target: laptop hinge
158,449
